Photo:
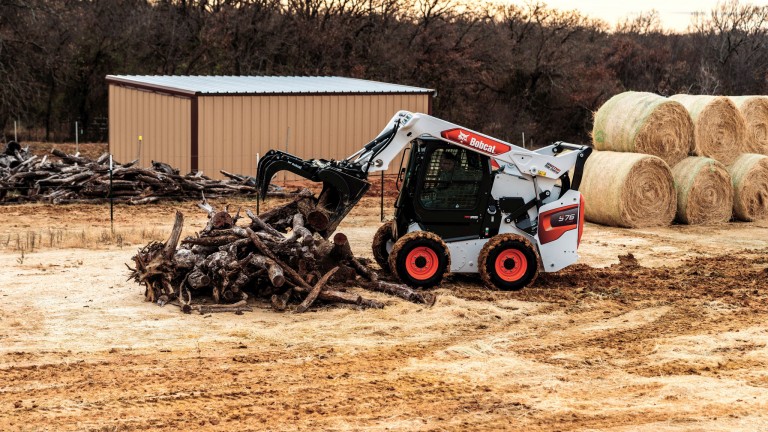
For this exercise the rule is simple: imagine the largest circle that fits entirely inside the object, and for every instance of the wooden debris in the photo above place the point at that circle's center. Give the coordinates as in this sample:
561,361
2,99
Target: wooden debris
290,265
67,178
312,296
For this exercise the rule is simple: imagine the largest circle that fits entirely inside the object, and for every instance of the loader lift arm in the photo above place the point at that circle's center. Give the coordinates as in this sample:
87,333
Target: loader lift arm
345,181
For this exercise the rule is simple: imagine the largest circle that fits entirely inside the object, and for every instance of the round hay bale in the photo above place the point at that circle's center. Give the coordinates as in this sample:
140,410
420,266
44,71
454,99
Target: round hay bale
749,174
719,128
638,122
754,109
704,191
628,190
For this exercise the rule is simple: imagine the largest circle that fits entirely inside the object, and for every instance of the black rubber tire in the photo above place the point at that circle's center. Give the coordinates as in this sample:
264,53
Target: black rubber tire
379,245
402,251
510,244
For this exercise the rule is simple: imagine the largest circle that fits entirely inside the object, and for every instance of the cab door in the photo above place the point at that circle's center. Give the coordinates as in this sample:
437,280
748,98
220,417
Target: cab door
451,200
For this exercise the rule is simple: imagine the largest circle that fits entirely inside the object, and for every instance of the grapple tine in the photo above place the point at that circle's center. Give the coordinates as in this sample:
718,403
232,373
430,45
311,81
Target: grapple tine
275,161
343,184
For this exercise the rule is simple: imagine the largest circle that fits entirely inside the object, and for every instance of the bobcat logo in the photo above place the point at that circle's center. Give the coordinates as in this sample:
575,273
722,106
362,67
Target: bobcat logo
471,139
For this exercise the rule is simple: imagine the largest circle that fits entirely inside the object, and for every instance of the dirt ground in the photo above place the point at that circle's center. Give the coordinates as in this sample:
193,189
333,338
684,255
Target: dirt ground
661,329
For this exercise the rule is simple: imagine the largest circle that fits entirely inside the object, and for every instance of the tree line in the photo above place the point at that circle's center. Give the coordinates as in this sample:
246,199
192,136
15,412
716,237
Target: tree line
503,69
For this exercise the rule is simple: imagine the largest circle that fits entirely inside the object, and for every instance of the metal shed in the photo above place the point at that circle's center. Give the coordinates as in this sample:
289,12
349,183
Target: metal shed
213,123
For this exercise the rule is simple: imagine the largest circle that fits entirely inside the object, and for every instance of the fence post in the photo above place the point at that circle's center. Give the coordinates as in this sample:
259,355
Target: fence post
287,138
138,156
111,203
382,195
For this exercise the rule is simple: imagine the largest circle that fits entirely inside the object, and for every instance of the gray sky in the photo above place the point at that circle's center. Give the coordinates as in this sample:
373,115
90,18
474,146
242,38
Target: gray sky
675,14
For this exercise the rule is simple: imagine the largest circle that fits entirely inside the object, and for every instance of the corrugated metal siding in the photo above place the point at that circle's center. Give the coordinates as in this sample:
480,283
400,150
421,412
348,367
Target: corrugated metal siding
233,129
163,121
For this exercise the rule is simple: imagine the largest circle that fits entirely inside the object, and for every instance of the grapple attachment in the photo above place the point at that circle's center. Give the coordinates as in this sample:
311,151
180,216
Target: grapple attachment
344,184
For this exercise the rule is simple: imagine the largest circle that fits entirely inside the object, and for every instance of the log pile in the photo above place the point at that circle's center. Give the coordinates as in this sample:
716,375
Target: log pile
227,264
68,178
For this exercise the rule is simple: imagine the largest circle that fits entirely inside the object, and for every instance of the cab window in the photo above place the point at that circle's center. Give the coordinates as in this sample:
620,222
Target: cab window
452,179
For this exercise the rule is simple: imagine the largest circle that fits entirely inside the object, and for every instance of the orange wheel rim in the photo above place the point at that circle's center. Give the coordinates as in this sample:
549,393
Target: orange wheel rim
422,263
511,265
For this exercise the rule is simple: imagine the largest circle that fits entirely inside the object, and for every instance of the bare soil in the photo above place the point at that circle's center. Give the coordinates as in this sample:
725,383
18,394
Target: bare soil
660,329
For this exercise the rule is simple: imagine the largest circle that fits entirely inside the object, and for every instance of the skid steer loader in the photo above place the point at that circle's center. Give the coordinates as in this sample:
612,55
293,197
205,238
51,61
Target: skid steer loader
468,203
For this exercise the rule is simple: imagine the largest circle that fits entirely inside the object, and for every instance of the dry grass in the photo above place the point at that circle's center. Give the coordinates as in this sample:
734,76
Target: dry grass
93,238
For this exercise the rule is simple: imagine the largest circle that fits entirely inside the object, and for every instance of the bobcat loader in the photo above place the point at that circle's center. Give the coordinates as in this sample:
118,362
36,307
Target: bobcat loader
469,203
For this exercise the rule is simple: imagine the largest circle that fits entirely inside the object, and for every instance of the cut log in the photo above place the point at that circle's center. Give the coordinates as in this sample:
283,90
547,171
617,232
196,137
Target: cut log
239,307
280,301
212,241
299,232
197,279
222,220
274,271
400,290
312,296
258,223
295,277
319,219
341,249
363,270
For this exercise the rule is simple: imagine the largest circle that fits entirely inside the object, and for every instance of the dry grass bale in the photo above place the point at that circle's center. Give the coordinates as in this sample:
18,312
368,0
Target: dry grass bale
749,174
628,190
755,112
720,131
704,191
646,123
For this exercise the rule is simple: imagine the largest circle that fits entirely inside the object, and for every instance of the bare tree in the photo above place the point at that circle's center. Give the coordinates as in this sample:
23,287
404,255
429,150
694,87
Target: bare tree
733,39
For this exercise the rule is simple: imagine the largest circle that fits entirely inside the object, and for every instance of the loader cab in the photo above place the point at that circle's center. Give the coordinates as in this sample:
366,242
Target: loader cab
446,190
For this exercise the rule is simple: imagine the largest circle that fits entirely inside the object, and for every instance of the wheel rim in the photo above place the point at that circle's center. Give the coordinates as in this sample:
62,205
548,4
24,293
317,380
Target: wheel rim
511,265
422,263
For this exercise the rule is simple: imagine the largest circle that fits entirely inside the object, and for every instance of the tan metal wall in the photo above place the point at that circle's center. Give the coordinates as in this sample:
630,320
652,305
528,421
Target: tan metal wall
162,120
232,129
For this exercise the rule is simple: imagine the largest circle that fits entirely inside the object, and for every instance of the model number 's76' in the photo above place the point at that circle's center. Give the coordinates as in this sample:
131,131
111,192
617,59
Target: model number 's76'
563,218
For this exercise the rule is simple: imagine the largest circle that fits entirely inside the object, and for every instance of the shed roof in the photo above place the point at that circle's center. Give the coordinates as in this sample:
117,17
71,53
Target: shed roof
254,85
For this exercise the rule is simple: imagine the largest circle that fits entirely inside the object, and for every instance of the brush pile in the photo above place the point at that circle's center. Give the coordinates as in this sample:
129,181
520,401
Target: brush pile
66,178
230,264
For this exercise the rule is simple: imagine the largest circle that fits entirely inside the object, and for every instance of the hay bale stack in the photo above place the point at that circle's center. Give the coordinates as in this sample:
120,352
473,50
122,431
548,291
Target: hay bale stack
639,122
749,174
755,112
719,128
704,191
628,190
